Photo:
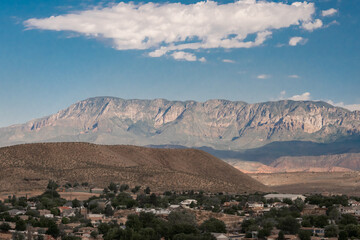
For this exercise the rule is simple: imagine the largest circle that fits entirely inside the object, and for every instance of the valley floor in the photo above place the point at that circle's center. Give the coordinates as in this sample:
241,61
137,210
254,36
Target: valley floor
312,182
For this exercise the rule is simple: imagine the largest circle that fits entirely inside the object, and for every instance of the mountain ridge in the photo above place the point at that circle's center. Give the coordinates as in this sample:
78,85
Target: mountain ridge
216,123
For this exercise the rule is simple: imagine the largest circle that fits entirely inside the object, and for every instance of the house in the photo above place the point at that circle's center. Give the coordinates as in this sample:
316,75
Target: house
96,218
61,209
174,206
281,197
68,212
279,205
24,217
287,237
254,205
154,211
236,236
186,203
230,204
220,236
315,231
353,203
16,212
313,210
43,212
347,210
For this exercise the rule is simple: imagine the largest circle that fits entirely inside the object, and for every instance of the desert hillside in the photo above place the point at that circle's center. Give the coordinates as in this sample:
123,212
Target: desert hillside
29,166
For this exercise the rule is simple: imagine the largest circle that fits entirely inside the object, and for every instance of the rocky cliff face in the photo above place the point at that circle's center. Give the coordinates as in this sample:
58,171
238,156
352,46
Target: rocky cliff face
219,124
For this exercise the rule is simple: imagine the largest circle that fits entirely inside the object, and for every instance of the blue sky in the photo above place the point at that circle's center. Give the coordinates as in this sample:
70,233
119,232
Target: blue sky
43,71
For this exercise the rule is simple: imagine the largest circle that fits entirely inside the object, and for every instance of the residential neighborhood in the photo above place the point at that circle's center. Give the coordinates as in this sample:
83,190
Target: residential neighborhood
121,212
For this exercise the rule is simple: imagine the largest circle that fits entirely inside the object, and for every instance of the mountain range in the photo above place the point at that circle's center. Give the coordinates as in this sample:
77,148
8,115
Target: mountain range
262,137
219,124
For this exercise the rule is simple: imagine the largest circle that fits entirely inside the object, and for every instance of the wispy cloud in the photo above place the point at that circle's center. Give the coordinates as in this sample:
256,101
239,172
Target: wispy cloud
297,40
306,96
294,76
329,12
170,27
351,107
228,61
263,76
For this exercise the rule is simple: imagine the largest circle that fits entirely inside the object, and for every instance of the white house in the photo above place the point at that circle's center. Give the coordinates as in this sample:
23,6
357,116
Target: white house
186,203
284,196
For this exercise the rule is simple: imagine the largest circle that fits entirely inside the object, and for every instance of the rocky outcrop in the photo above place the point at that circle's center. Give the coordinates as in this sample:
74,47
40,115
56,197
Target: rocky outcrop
220,124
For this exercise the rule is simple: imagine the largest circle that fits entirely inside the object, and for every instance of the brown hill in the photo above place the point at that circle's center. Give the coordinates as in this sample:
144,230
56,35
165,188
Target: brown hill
30,166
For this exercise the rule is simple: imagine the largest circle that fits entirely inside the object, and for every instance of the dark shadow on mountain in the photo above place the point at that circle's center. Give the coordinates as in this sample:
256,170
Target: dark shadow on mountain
272,151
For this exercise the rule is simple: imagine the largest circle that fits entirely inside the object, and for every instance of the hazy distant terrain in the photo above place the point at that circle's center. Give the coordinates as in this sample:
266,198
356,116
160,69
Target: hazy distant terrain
219,124
312,182
30,166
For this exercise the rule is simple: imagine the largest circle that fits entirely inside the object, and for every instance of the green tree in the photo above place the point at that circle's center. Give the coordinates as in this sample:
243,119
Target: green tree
347,219
321,221
94,234
334,214
124,187
331,231
343,235
181,218
103,228
76,203
281,236
213,225
135,189
113,187
53,230
147,190
289,225
305,235
65,220
153,199
5,227
20,225
288,201
352,230
133,222
52,185
109,211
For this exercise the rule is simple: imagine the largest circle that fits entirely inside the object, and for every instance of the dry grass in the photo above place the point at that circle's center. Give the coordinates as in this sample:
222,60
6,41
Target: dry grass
30,166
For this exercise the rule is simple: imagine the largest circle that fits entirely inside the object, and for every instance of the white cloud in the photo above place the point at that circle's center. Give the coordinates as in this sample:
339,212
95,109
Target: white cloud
263,76
294,76
184,56
228,61
312,25
303,97
202,59
167,27
297,40
351,107
329,12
